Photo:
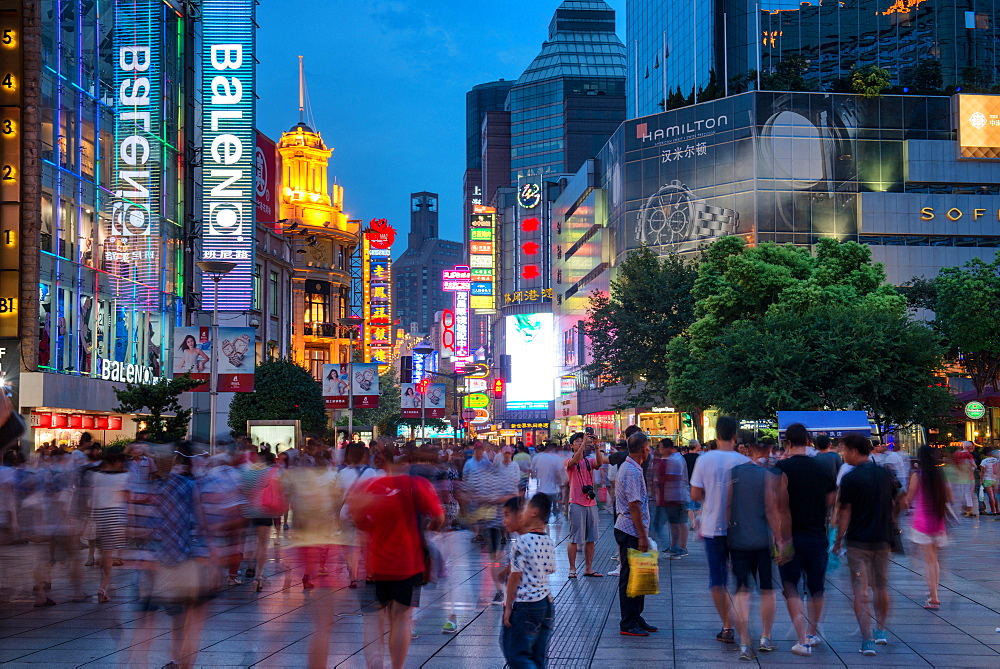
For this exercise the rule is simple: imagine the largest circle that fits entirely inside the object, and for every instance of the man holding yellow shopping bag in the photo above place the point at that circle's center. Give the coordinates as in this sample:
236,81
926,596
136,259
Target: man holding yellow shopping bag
632,531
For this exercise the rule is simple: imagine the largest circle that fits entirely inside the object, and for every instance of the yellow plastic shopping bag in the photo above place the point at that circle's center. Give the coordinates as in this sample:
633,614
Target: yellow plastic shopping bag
644,573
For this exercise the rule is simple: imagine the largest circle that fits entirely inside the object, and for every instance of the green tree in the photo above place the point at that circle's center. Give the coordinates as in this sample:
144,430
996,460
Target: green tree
649,303
283,390
778,327
926,77
974,79
158,399
966,301
870,80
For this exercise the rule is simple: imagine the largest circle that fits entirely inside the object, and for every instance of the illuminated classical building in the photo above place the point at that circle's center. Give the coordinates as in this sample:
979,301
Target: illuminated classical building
324,240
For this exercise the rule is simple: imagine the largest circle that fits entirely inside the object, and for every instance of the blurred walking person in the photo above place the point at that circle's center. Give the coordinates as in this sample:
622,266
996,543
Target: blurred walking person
355,473
108,492
255,480
392,510
965,479
670,487
929,496
868,495
219,490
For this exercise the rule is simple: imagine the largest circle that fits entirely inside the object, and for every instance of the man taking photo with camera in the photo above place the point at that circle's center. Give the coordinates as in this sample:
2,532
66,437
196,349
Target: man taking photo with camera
583,501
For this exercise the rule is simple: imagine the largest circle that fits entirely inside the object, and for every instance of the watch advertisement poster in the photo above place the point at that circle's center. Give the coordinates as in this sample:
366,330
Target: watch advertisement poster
193,351
336,380
364,378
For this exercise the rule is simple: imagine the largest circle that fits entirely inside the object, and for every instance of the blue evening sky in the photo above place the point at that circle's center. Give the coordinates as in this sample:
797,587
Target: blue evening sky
387,83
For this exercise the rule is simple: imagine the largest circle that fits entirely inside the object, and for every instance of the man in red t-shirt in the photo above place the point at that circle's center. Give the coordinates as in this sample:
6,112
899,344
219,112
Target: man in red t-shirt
389,509
582,501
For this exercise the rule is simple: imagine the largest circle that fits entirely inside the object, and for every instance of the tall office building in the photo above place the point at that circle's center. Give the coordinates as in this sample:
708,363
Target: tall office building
416,275
683,45
481,101
571,97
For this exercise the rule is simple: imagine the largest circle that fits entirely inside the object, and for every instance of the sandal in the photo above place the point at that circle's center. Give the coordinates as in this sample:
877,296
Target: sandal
102,597
593,574
47,602
931,605
353,585
118,563
572,573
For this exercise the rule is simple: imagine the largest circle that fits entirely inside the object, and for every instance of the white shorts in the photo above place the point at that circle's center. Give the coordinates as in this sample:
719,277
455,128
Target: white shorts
921,539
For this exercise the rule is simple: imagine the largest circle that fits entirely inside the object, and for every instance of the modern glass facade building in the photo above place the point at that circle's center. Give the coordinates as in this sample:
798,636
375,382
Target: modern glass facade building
678,44
571,97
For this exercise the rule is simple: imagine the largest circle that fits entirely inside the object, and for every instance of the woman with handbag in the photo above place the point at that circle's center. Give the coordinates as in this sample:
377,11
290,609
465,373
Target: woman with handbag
260,481
930,497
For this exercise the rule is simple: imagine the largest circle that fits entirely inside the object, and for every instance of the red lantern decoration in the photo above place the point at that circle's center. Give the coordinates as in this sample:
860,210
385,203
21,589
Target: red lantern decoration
114,422
60,420
100,422
75,421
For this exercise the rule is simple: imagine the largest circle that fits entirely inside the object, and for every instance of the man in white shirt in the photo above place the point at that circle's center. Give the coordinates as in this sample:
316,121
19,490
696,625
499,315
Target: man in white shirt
710,485
547,468
892,461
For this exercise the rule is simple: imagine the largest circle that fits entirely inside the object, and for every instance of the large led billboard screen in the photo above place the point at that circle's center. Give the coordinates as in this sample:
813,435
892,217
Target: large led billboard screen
978,125
531,346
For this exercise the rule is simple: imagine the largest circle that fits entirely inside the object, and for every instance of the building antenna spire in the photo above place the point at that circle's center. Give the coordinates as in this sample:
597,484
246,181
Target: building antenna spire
302,93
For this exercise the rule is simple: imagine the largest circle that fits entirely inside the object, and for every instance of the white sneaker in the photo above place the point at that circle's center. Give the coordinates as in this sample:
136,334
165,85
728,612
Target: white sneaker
799,649
813,640
615,572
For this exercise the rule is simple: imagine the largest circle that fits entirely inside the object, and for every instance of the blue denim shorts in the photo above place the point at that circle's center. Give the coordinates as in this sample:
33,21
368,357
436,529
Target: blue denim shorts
717,550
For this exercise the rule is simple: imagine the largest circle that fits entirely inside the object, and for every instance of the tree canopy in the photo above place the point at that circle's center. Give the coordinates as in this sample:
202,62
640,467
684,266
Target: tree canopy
159,398
649,303
283,390
966,301
780,328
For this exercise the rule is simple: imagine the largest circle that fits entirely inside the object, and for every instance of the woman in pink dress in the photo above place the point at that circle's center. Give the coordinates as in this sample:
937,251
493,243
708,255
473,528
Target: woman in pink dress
929,496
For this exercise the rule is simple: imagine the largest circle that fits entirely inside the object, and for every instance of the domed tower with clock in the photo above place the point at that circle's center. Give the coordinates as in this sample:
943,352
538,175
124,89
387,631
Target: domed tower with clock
323,241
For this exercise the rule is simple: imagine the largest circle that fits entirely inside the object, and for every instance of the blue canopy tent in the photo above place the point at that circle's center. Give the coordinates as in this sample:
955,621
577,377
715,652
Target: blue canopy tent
831,423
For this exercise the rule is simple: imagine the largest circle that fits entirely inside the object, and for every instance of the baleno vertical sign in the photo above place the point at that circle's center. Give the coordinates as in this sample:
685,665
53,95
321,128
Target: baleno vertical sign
228,209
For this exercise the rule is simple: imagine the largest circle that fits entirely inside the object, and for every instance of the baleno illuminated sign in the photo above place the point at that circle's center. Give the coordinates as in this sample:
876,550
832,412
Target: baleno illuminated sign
228,140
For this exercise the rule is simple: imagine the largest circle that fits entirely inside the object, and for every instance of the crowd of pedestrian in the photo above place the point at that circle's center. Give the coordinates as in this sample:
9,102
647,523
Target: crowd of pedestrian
382,517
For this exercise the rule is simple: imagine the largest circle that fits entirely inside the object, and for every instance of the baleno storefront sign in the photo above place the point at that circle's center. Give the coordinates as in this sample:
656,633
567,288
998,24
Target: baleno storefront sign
124,372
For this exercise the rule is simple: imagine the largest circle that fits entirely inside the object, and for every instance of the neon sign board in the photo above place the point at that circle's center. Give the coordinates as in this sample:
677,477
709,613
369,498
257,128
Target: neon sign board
134,207
457,279
376,272
482,259
228,147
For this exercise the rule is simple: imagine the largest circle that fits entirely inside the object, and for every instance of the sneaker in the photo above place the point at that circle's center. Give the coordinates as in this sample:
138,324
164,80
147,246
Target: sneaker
646,626
747,653
766,645
879,638
414,635
635,630
615,572
867,648
813,640
803,650
682,552
498,598
449,627
727,635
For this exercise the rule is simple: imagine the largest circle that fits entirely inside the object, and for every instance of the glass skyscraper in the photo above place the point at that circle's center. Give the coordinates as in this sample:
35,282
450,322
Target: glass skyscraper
571,97
678,45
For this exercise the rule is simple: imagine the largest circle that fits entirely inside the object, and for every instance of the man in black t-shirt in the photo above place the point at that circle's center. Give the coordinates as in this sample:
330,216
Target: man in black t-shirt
809,490
868,495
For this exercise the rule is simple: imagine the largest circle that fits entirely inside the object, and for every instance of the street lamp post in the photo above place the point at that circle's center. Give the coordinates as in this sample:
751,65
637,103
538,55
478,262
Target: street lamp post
215,269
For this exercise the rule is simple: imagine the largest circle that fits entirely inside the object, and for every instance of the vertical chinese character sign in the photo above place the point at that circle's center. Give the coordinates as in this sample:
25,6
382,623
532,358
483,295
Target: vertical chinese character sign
376,275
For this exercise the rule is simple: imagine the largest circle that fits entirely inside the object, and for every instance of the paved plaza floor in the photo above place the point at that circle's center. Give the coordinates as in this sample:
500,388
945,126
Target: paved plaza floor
273,628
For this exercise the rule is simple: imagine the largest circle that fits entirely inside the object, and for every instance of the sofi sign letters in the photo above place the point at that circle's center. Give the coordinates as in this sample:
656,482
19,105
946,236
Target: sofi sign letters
228,142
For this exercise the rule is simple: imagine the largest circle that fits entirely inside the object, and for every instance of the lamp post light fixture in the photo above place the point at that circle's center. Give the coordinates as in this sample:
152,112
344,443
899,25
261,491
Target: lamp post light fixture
351,322
215,269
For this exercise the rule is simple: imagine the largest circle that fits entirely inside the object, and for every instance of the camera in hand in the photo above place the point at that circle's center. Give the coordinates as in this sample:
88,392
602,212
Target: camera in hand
588,490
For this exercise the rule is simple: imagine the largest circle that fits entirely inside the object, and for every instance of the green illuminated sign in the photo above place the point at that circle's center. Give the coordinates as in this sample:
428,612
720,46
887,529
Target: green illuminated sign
975,410
476,401
481,235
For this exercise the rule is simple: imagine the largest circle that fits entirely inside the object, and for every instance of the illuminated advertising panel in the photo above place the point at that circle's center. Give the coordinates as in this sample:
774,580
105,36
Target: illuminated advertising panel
228,147
456,279
482,258
462,300
376,273
193,351
531,346
133,247
979,126
266,179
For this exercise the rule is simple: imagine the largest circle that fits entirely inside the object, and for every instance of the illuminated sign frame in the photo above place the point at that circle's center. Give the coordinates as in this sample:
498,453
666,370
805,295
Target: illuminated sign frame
482,260
978,123
228,147
376,279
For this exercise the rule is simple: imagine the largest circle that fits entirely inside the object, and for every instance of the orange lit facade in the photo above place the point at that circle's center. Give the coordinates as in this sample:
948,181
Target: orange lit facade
323,240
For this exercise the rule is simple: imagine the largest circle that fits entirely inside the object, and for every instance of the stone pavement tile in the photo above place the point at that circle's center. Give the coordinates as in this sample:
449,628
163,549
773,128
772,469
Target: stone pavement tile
928,649
50,655
444,662
962,661
210,659
286,660
54,665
